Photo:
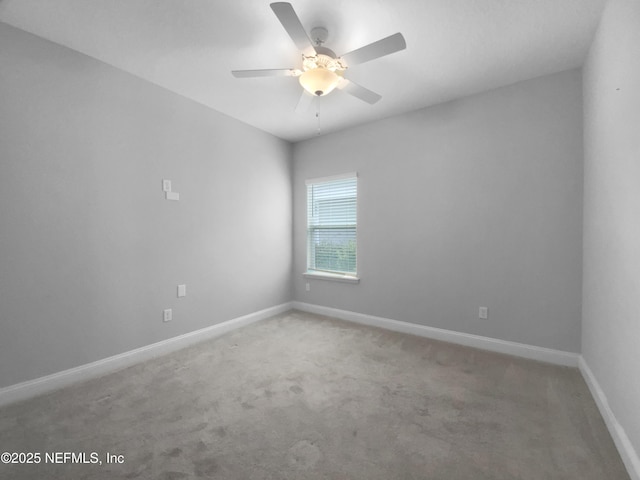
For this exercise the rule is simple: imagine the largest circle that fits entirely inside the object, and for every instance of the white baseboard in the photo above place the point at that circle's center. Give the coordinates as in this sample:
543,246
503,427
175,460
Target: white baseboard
625,448
38,386
542,354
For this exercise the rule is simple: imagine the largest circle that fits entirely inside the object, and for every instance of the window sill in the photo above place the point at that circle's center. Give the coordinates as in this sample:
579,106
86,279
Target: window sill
336,277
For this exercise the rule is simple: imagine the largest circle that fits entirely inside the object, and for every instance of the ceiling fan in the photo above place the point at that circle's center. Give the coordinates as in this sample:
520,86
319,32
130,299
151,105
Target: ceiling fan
322,70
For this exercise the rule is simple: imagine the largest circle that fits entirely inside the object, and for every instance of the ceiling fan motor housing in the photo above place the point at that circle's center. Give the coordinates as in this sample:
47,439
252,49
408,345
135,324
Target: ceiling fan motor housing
319,35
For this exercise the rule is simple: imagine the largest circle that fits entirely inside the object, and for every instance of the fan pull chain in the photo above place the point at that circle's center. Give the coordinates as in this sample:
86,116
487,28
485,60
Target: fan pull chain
318,114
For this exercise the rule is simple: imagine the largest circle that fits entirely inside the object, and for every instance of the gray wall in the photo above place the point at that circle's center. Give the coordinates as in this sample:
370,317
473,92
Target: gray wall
611,290
476,202
90,252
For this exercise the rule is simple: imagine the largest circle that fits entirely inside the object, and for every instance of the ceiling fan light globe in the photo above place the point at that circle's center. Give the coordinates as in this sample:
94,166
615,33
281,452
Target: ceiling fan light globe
319,81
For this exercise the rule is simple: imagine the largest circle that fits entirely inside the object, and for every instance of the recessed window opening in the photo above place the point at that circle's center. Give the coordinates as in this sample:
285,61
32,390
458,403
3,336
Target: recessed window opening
332,225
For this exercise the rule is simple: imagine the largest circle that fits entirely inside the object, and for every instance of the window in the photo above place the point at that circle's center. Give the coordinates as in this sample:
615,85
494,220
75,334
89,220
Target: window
331,226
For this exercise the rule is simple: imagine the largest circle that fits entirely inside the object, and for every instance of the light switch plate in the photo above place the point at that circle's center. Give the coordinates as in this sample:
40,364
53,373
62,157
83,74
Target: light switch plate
166,185
182,290
172,195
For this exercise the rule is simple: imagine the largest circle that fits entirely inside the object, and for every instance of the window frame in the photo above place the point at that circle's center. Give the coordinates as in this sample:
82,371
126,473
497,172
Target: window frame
350,277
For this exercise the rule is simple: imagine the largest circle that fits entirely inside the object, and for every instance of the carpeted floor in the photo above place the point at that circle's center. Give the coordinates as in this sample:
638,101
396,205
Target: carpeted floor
301,396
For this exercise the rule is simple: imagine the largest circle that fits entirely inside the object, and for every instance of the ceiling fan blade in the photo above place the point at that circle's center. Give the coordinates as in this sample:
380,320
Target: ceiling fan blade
306,99
281,72
291,23
359,91
390,44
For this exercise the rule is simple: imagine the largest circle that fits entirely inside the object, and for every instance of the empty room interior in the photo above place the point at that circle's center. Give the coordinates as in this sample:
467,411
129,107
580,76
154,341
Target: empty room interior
320,240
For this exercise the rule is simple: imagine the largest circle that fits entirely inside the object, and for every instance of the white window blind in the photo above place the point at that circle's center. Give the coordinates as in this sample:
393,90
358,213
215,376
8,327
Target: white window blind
332,224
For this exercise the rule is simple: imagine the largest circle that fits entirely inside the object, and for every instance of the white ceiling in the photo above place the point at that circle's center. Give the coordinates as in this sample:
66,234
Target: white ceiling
454,48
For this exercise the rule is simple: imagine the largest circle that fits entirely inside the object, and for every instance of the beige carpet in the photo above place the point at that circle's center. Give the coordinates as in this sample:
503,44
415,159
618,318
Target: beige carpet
300,396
